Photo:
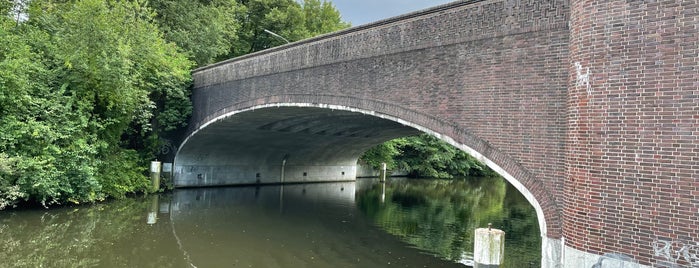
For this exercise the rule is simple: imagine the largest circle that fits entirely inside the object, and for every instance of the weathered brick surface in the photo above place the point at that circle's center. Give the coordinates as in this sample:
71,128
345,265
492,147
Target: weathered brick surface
615,166
633,146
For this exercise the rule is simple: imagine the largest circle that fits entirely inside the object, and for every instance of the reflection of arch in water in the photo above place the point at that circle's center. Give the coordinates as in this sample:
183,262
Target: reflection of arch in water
196,212
532,188
187,258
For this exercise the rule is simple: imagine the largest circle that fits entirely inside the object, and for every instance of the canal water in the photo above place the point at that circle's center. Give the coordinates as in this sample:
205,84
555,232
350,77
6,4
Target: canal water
400,223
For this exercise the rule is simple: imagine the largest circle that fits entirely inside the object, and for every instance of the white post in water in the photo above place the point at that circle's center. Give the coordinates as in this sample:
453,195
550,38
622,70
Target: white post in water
489,247
155,167
382,172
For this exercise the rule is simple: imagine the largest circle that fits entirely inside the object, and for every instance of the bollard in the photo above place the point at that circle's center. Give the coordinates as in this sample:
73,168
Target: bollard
489,247
382,172
155,167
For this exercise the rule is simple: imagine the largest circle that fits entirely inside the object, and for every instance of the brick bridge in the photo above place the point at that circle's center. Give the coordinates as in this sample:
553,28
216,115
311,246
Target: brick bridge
589,107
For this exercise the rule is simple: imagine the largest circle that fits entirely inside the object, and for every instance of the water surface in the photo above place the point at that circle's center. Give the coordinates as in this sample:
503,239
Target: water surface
401,223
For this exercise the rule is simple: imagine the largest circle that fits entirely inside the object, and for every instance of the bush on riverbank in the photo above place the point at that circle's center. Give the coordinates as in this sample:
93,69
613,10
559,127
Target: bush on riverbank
89,88
80,81
425,156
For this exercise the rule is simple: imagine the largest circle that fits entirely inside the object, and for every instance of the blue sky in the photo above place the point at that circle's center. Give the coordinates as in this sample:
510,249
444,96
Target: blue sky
360,12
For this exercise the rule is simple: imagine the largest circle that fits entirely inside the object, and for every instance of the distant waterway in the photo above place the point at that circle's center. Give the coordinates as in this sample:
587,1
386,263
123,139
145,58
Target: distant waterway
400,223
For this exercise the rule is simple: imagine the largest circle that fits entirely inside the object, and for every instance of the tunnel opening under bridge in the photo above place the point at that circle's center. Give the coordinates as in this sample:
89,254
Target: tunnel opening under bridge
283,143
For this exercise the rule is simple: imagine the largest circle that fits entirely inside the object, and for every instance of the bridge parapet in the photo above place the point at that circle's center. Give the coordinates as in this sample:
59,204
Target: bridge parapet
457,22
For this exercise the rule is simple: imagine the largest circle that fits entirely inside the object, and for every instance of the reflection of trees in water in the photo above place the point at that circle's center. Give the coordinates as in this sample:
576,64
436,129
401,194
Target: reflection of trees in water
100,235
437,216
440,216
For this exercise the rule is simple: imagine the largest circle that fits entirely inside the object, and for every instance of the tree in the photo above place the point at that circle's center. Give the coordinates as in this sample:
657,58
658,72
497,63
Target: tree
383,153
287,18
117,64
6,9
205,29
424,156
80,80
15,9
280,16
215,30
322,17
36,126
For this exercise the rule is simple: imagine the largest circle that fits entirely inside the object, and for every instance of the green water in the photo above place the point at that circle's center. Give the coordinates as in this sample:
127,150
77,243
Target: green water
402,223
440,216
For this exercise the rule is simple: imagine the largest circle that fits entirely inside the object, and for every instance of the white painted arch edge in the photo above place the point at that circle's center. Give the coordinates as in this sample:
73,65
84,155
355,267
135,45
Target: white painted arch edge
511,179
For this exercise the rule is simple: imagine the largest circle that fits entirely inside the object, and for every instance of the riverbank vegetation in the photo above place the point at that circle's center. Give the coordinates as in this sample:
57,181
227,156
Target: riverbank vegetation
89,88
425,156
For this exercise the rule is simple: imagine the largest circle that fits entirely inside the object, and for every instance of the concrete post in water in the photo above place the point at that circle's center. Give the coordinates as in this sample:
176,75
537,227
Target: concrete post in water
489,247
382,172
155,167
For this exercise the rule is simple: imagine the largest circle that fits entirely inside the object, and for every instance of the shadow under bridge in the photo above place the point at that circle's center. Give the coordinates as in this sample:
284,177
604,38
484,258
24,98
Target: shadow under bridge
281,145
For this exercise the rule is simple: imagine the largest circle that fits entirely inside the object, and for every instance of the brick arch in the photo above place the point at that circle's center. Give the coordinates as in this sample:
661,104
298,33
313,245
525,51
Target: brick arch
490,77
532,188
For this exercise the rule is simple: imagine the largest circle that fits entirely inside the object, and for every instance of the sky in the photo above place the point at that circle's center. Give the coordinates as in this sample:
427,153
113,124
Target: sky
360,12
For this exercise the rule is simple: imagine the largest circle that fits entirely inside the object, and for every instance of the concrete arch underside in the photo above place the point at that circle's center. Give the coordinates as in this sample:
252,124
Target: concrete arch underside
306,138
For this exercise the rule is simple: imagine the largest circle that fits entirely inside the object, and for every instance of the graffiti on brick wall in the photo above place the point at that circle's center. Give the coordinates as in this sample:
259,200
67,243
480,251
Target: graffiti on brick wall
583,79
674,251
166,147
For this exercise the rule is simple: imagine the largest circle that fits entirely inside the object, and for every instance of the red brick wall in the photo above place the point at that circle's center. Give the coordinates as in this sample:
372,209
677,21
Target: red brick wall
633,137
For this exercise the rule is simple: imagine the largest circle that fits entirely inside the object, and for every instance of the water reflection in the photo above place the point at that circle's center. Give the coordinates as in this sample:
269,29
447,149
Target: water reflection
103,235
363,224
440,216
314,225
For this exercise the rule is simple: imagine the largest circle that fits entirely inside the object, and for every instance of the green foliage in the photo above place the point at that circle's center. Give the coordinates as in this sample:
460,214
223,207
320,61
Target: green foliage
5,8
382,153
425,156
114,58
205,29
40,130
287,18
121,172
9,193
81,81
213,30
322,17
